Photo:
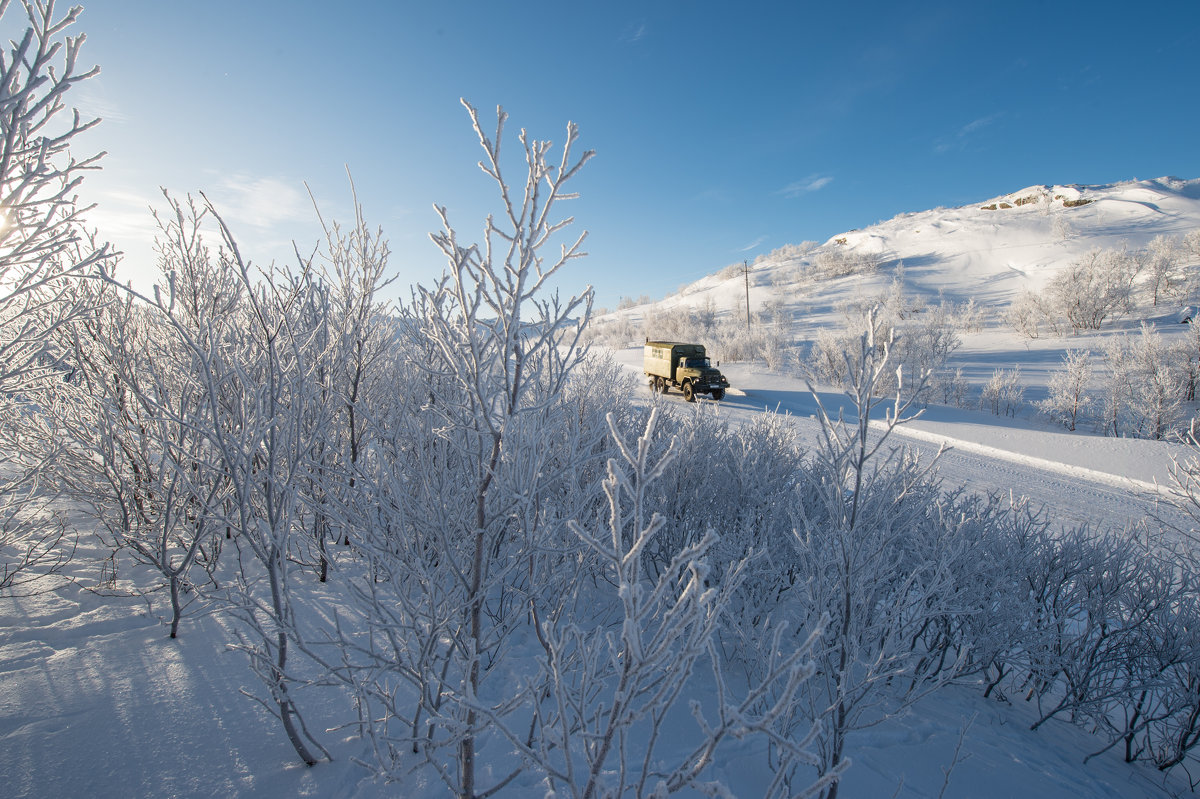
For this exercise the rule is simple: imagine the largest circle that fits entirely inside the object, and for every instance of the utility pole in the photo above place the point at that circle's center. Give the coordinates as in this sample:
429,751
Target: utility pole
746,272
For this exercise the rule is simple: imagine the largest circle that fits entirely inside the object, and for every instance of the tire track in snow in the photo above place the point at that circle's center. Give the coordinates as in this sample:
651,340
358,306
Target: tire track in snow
1070,494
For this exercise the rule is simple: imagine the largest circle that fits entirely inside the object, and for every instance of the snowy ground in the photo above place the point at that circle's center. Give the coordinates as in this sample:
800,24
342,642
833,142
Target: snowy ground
95,700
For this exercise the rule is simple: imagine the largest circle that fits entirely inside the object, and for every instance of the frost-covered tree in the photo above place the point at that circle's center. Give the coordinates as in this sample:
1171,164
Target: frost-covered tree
256,412
461,541
1003,394
866,555
137,417
1182,286
1069,398
43,252
1161,257
1147,386
128,456
1095,288
354,339
926,342
1029,313
42,245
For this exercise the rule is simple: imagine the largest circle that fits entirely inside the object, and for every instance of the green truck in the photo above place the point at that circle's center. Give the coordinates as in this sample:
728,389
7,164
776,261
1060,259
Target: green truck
684,366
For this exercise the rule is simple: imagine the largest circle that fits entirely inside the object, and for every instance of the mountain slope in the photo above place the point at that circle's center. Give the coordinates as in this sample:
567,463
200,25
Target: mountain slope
990,251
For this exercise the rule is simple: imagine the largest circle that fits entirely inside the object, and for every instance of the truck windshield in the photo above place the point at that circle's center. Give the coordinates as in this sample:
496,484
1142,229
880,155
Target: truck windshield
696,363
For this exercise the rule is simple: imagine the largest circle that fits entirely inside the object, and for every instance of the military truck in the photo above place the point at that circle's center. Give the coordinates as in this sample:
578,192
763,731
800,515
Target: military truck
684,366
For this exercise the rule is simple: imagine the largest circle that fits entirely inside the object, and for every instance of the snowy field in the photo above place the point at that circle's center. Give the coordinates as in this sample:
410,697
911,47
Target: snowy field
95,700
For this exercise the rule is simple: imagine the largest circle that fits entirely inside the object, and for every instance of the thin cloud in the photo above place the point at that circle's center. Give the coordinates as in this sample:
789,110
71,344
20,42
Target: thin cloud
806,186
975,125
261,202
93,103
634,33
123,217
960,137
754,244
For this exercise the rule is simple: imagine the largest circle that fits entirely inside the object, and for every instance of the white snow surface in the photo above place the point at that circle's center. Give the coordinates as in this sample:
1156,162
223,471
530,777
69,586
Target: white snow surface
96,700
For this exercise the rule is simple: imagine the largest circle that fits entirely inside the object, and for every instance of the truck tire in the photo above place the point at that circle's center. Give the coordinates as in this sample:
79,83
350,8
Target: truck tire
718,394
688,394
663,385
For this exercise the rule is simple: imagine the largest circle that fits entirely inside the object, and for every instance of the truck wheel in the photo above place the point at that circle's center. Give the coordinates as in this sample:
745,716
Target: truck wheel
688,394
663,385
718,394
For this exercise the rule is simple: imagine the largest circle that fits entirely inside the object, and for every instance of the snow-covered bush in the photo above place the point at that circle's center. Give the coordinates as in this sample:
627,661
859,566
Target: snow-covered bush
826,362
926,340
1095,288
609,694
1004,393
1029,313
1069,399
135,419
615,332
461,539
838,262
1146,387
992,603
872,553
1162,256
478,522
969,316
738,477
673,323
954,388
1095,627
762,342
925,336
1098,287
1178,258
788,252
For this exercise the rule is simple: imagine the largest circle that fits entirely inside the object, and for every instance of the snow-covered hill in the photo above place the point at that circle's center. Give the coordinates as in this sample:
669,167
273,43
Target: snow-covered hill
991,250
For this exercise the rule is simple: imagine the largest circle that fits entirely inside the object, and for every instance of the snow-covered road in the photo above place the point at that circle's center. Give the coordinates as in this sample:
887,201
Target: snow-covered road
1078,478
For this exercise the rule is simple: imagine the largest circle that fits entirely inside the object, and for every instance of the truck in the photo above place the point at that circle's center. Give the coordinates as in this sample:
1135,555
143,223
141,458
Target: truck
684,366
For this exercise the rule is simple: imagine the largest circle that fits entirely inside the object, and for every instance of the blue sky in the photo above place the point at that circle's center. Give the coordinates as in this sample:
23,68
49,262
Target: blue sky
722,130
